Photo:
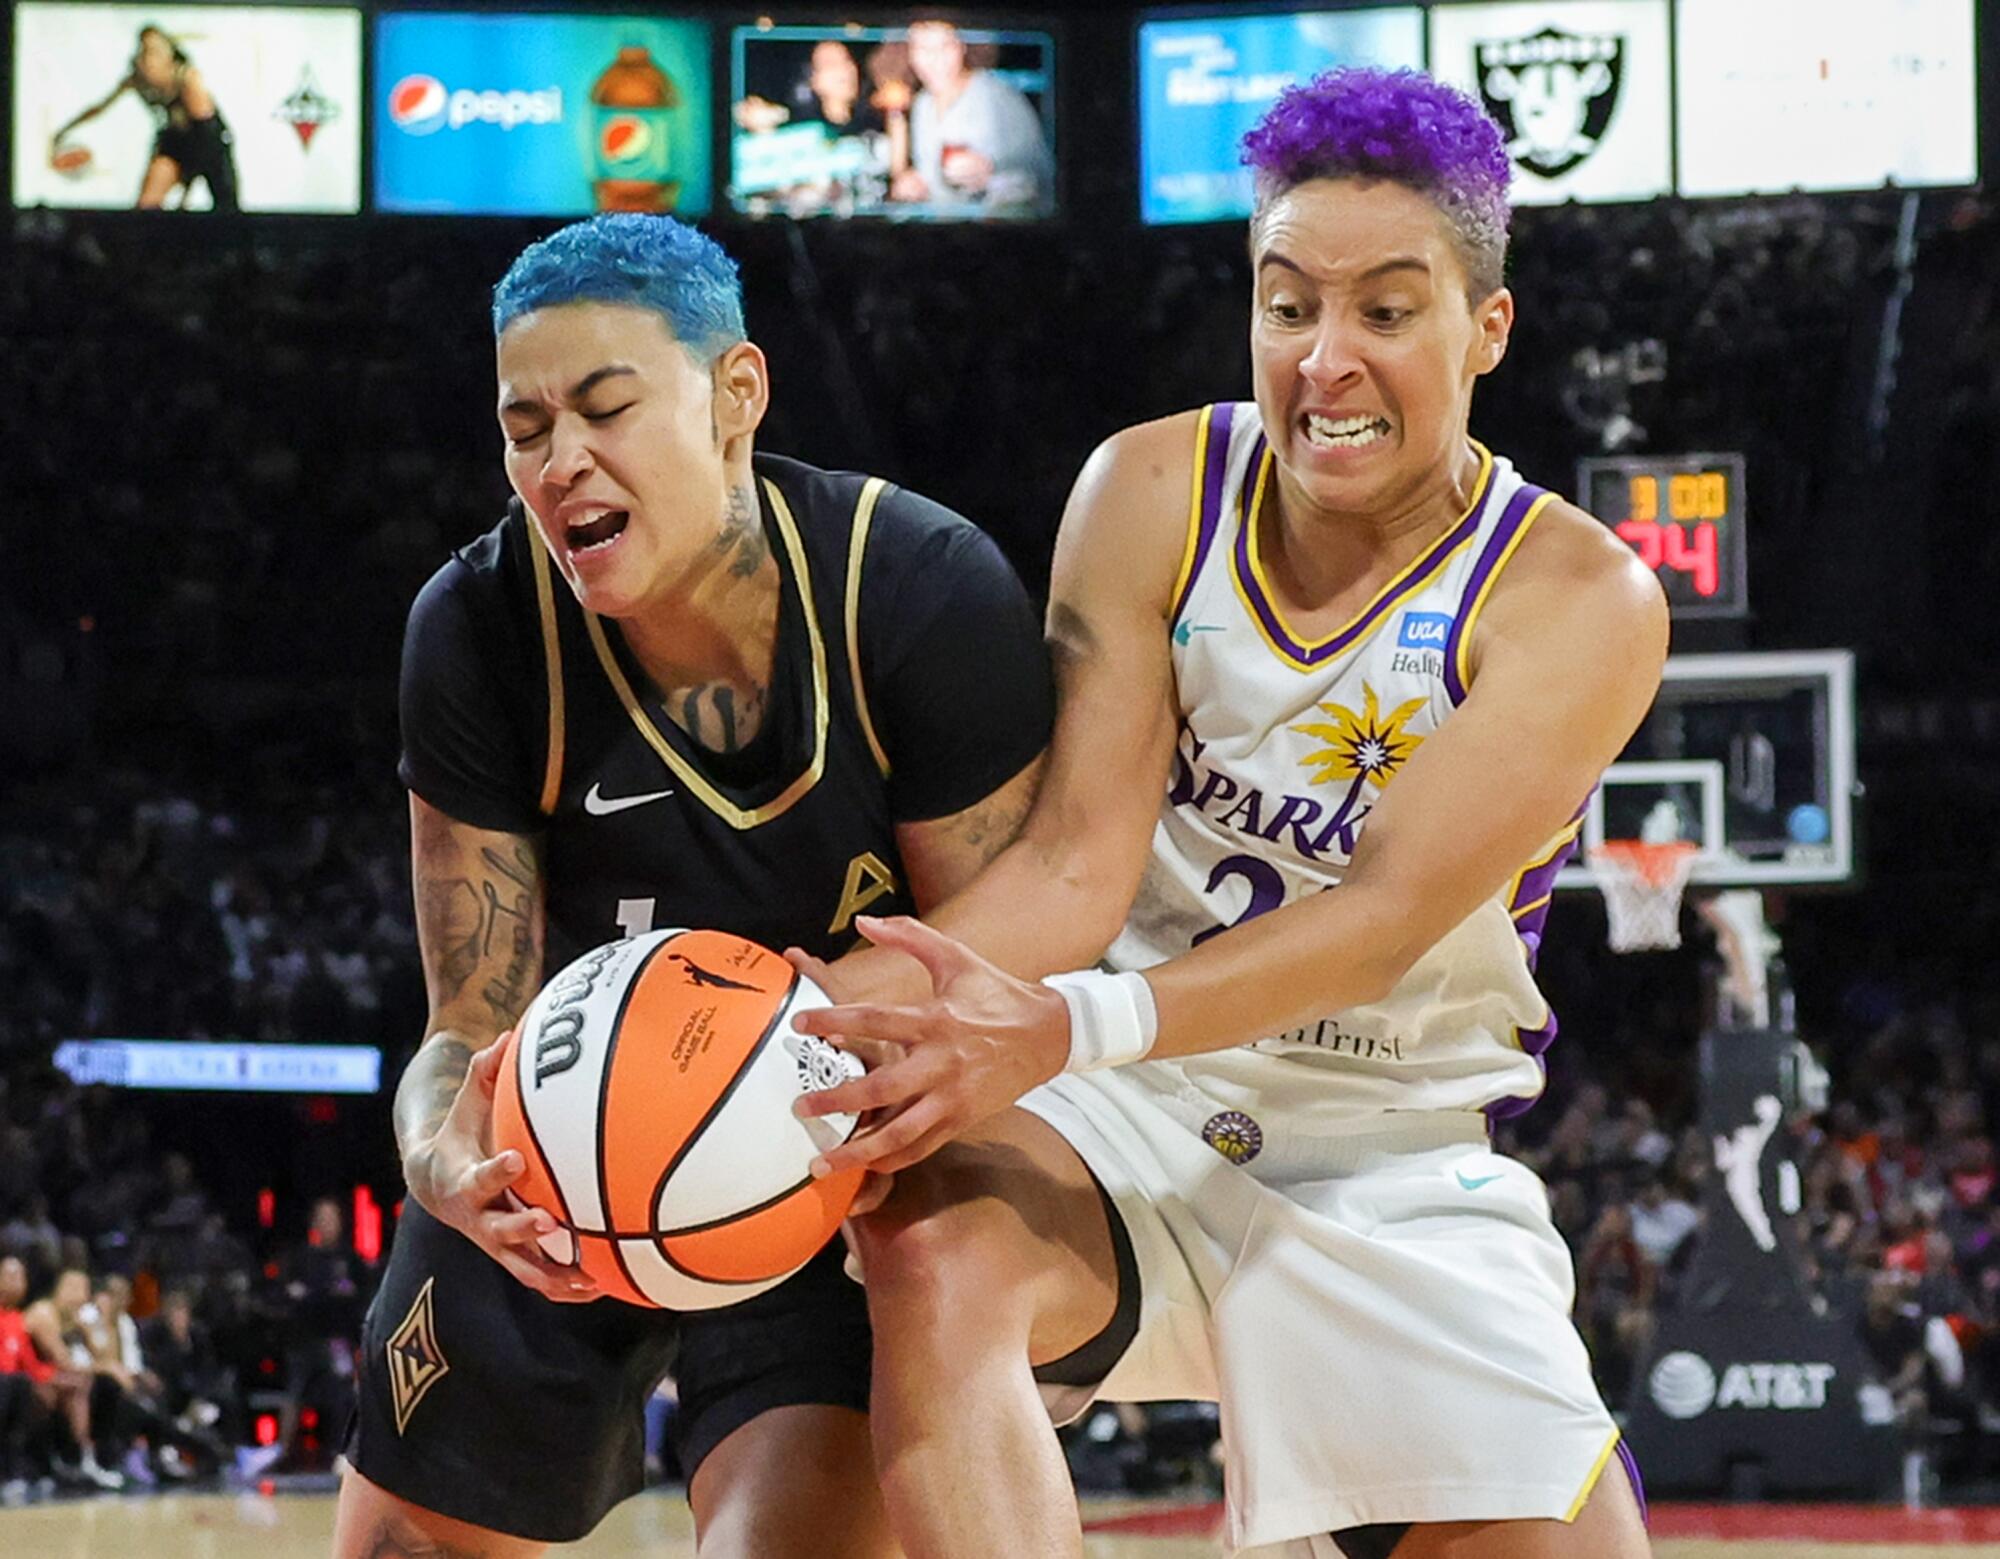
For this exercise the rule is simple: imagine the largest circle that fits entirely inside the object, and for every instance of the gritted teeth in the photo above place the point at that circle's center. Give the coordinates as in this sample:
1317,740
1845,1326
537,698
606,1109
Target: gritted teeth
595,528
1347,432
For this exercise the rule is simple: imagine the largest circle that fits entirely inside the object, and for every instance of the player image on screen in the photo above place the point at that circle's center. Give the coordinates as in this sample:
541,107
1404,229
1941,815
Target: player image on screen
1336,684
190,141
973,138
929,121
683,683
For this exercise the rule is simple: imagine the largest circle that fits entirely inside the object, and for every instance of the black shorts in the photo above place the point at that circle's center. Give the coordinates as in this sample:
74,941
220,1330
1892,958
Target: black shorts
485,1402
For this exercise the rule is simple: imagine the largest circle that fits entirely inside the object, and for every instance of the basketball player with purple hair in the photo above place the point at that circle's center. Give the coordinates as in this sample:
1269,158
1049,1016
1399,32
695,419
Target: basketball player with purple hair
1374,673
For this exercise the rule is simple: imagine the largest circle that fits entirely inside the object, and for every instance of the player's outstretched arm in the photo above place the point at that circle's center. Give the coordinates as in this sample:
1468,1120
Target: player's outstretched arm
1056,896
1566,661
479,927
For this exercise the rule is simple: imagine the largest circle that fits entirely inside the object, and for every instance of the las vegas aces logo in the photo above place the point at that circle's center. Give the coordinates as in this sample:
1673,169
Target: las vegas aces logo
1553,93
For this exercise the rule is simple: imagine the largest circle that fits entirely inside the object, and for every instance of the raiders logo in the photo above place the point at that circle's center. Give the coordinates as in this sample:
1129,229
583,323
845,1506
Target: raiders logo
416,1363
1553,93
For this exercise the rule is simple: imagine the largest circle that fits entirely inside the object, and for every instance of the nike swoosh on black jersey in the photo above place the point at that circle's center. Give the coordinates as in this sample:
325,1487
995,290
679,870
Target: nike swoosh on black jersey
597,804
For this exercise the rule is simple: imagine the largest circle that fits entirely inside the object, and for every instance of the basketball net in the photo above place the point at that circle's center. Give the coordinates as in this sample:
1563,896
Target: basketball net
1642,885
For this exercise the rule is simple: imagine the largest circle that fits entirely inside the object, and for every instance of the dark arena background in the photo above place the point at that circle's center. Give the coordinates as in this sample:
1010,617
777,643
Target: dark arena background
238,441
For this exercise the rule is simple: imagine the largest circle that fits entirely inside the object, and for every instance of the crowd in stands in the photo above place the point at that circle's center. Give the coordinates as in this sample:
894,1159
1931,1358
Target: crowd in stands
248,455
142,1330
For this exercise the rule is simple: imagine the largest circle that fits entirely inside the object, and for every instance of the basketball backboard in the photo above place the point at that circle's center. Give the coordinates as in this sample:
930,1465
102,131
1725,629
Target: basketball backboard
1750,756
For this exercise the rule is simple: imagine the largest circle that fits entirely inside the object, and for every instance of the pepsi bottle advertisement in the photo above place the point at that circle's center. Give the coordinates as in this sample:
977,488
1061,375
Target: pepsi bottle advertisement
541,115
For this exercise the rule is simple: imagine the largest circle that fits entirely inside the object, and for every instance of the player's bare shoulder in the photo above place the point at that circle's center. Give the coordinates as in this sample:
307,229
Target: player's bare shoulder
1126,522
1575,587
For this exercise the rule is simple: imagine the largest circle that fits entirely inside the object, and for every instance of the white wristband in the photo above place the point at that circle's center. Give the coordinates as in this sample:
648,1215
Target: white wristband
1112,1018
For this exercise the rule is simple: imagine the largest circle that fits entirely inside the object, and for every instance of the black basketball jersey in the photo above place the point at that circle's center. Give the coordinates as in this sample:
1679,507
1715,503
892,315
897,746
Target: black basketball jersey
909,682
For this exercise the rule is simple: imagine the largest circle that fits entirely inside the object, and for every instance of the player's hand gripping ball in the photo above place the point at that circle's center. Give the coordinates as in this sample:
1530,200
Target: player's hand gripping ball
649,1089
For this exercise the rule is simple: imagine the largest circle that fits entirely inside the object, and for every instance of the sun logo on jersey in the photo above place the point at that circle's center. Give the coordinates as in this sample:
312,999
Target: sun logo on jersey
1365,748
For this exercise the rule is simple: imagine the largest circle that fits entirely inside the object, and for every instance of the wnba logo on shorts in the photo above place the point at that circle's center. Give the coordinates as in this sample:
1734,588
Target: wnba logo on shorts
1234,1135
417,104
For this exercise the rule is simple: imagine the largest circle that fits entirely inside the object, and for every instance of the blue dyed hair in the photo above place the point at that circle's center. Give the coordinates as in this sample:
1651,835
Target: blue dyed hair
624,257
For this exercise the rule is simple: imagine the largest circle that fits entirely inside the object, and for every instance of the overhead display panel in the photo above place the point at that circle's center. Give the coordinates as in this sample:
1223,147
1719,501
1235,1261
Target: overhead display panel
1812,95
1204,82
930,119
1581,88
543,115
181,107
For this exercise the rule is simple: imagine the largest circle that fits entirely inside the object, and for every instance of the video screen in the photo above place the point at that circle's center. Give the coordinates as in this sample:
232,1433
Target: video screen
1797,94
188,108
1581,88
547,115
1205,82
932,121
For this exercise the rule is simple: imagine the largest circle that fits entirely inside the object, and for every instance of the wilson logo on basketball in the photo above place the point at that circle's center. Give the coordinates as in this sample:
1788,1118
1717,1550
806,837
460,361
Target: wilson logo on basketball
624,138
417,104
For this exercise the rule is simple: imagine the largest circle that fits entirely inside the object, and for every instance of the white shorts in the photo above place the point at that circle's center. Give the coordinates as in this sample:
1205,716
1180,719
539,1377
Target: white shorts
1383,1317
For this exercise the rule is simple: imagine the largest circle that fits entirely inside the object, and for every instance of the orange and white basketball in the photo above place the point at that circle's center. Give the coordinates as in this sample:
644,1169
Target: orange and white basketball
650,1088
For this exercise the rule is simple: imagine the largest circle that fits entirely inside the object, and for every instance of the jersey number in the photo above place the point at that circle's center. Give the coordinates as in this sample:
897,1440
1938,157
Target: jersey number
1267,890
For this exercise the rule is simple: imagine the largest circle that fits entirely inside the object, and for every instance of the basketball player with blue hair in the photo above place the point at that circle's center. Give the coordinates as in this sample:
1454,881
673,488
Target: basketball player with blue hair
681,683
1374,673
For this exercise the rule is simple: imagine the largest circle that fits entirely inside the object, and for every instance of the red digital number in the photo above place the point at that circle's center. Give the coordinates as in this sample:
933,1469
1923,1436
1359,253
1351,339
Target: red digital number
1686,549
1691,550
1643,537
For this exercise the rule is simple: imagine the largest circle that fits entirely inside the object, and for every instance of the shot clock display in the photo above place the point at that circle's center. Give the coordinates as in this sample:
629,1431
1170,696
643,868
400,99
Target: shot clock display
1683,515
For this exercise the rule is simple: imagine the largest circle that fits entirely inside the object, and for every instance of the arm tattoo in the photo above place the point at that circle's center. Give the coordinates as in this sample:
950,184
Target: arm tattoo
988,827
507,993
429,1087
1069,637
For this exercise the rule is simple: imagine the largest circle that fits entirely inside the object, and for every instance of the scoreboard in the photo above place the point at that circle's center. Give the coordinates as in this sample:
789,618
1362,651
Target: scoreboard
1683,515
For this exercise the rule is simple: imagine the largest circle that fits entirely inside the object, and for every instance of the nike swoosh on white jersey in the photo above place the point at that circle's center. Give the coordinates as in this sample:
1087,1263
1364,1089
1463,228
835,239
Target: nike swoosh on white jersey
599,805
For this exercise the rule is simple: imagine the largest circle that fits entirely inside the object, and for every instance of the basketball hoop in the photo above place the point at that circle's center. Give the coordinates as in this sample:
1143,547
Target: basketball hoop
1642,885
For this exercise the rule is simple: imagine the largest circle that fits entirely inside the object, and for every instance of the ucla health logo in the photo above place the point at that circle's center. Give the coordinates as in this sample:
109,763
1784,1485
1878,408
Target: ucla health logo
417,104
1424,630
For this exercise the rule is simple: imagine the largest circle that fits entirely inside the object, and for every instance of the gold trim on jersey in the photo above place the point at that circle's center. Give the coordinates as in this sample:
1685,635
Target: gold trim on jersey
1421,570
857,545
697,784
1196,487
1590,1482
545,602
1470,619
1542,858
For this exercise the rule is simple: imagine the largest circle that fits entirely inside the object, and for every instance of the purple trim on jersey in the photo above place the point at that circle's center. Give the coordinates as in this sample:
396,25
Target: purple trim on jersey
1537,888
1536,1043
1482,570
1214,475
1631,1465
1419,575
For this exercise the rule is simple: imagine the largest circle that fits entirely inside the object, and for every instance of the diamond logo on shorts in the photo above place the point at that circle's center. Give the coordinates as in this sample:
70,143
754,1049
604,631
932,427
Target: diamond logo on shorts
416,1363
1234,1135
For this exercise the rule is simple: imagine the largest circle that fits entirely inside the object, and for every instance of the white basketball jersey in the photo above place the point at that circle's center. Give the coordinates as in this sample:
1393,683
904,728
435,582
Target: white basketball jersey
1284,748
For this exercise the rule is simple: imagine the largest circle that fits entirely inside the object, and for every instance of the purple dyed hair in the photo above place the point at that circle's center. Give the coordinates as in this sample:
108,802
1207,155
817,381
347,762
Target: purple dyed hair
1399,125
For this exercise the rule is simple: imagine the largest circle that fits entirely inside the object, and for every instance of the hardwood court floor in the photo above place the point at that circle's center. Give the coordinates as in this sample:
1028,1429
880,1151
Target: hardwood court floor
655,1526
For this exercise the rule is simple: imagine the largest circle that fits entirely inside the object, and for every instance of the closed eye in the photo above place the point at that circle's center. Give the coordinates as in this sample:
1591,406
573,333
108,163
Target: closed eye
606,416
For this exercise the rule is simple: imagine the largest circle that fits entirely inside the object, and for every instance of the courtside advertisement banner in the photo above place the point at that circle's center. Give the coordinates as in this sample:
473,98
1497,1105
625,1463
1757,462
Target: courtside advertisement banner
541,115
1580,87
267,97
1205,82
1807,95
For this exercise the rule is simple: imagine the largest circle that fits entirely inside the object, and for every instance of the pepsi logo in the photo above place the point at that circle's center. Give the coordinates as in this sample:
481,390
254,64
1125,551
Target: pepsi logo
417,104
624,138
